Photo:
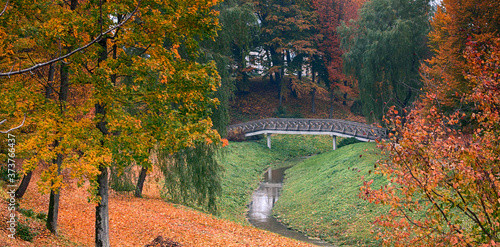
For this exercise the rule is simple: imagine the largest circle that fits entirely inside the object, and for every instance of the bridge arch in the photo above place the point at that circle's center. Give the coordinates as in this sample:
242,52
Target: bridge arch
300,126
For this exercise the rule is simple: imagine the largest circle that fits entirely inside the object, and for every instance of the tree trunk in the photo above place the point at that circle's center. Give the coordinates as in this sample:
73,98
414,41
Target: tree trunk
281,98
48,88
101,210
331,104
313,106
24,185
277,60
140,182
313,74
53,211
54,199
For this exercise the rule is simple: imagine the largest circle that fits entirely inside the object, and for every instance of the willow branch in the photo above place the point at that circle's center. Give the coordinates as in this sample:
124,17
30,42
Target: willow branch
99,38
4,8
7,131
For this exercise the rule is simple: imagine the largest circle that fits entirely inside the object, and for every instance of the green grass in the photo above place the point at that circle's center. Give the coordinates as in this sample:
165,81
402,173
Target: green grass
245,162
320,196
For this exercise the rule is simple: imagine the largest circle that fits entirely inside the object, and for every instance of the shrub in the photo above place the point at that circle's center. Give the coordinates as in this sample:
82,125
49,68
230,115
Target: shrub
236,135
123,181
347,141
357,107
25,232
4,174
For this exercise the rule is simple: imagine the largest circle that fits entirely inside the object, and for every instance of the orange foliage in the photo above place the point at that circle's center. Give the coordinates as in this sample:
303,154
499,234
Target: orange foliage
261,103
331,14
137,222
454,24
444,163
444,185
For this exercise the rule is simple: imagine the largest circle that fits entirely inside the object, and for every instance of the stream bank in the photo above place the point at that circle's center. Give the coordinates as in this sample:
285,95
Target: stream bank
265,197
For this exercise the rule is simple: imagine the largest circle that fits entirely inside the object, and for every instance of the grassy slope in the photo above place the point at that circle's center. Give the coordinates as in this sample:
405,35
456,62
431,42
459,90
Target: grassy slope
320,195
245,162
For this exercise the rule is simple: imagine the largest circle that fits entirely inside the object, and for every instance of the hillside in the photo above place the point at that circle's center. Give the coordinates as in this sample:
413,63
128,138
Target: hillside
133,222
261,101
320,196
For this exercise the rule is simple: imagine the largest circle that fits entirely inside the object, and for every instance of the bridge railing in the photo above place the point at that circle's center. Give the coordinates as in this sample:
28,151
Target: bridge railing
327,126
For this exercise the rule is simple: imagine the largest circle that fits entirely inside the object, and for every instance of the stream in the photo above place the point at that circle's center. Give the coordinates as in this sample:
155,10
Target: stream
261,207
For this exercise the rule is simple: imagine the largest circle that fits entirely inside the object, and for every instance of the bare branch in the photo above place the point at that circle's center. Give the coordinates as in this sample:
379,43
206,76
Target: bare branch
4,8
99,38
7,131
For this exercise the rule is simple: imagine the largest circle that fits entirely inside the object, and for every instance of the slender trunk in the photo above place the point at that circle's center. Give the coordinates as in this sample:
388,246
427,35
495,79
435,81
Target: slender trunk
313,74
24,185
101,210
331,104
281,98
277,60
140,182
54,200
313,93
48,88
53,211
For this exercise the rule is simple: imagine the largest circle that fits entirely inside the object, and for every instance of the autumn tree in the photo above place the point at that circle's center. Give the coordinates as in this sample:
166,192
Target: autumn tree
455,23
174,93
444,181
384,48
287,36
331,13
444,161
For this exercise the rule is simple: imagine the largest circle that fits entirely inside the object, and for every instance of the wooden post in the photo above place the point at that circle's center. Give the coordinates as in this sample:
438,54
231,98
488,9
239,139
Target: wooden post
334,142
268,140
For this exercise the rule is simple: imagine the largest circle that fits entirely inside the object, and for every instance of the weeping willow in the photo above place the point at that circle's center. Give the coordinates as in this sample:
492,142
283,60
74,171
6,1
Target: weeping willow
192,176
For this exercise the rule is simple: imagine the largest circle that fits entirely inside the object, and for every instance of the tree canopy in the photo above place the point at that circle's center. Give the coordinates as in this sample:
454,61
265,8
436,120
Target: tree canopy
384,48
172,93
443,161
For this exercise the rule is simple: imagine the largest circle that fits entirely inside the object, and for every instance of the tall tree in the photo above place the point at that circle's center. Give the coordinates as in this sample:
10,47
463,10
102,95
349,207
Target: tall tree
456,23
230,48
331,13
384,48
445,189
175,94
444,161
287,33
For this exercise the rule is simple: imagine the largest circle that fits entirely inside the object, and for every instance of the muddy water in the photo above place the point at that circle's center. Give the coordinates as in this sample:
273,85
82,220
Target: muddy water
263,200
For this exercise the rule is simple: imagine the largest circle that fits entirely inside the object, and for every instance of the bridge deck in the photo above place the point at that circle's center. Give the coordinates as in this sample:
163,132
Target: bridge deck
332,127
335,127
